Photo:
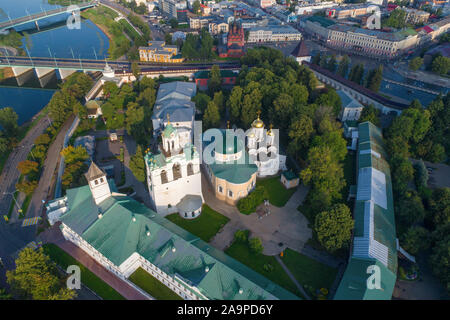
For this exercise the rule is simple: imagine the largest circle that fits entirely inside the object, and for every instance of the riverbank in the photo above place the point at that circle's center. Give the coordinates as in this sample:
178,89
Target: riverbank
103,18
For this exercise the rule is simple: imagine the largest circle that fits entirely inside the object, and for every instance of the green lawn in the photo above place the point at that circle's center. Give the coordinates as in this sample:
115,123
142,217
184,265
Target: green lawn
205,226
241,252
309,272
152,286
278,194
89,279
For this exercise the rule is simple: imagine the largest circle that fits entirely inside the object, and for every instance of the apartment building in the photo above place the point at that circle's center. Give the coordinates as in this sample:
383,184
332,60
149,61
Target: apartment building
273,34
158,51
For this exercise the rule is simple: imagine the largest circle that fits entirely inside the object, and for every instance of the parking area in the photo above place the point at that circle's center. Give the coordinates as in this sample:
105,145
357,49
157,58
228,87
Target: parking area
108,156
438,173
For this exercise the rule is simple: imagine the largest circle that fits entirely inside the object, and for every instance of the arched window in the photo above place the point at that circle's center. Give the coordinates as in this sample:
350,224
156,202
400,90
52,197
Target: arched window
164,177
190,169
173,145
176,169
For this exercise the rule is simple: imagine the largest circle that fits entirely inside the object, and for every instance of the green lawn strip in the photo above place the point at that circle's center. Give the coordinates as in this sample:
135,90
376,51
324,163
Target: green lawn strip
205,226
152,286
278,194
25,205
89,279
241,252
309,272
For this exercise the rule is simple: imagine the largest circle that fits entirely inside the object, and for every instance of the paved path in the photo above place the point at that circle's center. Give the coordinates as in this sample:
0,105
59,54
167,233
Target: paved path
294,280
53,235
42,191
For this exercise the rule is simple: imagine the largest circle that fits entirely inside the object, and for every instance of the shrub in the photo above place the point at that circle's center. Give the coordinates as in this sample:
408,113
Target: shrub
248,204
241,236
255,245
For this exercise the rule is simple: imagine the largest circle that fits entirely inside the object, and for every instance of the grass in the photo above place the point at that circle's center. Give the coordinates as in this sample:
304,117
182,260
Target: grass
205,226
308,272
152,286
241,252
104,18
278,194
25,205
89,279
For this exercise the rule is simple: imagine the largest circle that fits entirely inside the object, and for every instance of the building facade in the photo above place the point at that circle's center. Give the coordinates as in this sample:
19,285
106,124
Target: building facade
273,34
159,51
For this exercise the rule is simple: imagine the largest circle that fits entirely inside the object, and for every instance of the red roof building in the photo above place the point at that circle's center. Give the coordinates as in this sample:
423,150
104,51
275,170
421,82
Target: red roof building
235,41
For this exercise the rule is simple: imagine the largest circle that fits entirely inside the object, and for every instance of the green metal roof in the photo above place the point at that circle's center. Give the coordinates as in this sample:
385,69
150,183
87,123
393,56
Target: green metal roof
289,175
353,284
168,130
223,74
116,236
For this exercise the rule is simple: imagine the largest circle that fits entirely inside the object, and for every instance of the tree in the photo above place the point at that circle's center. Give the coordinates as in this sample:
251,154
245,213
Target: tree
219,101
335,141
4,144
201,101
439,208
300,133
415,240
4,295
440,256
397,19
241,236
323,172
402,173
234,103
196,7
370,113
136,70
334,227
25,167
421,174
440,65
415,63
332,63
255,245
74,154
211,118
356,73
409,210
26,187
135,122
173,23
374,78
343,66
8,120
36,277
137,165
215,81
42,139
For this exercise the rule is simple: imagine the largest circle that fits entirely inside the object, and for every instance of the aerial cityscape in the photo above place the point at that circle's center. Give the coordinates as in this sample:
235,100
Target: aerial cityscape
225,150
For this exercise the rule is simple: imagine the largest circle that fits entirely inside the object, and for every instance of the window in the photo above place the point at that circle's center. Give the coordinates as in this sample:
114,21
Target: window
101,180
220,189
193,214
176,170
164,177
190,169
230,193
96,182
185,214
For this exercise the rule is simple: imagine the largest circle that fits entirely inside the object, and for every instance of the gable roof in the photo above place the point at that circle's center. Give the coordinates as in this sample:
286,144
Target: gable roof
176,89
374,241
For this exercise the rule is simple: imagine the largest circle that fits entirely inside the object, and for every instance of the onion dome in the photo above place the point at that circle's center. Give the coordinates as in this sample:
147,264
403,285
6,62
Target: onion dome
258,123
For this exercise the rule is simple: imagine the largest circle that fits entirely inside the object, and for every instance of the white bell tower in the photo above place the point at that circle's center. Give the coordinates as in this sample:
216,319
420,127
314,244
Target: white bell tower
97,183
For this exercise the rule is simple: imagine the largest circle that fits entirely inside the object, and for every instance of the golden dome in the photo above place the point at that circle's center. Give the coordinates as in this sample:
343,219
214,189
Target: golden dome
270,132
258,123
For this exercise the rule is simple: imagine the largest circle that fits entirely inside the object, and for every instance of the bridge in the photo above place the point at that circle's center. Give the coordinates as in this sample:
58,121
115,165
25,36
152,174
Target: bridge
12,23
22,67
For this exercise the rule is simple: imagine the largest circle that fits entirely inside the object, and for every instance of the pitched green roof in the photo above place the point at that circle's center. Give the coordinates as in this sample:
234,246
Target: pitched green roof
168,130
223,74
374,241
116,236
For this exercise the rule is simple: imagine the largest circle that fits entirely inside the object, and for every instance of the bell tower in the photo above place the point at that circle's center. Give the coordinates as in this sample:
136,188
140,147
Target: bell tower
98,183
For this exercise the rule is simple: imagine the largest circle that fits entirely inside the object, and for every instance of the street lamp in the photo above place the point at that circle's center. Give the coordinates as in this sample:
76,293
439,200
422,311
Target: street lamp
14,198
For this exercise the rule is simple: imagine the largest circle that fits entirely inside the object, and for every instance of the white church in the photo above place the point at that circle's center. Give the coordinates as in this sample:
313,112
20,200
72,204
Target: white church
262,146
173,175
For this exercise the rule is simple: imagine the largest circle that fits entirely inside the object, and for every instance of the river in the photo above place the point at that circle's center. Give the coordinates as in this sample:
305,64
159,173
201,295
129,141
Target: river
54,40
